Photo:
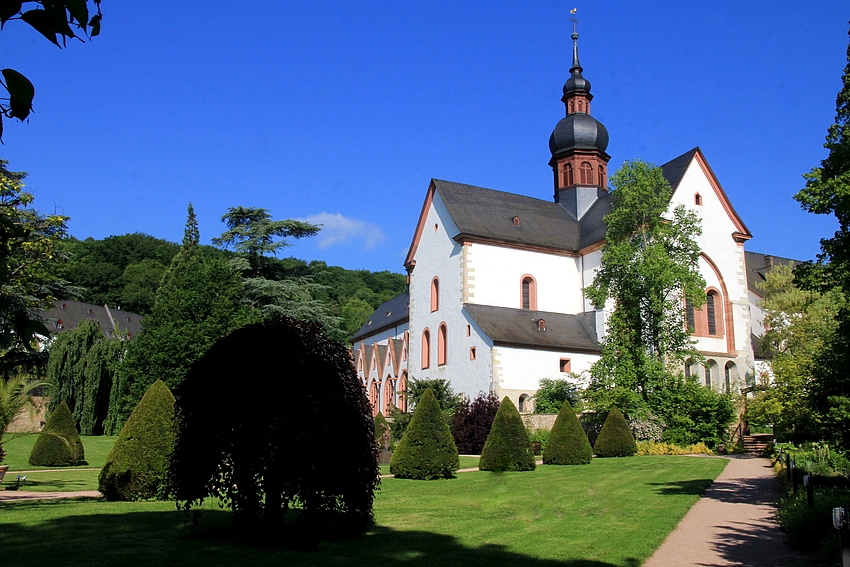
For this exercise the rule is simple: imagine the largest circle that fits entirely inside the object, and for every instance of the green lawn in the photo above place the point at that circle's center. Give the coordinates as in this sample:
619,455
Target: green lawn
52,479
613,512
465,463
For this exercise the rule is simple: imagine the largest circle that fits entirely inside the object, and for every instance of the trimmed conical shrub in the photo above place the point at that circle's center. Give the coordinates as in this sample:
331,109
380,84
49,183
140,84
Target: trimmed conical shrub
615,439
567,443
137,466
58,444
427,450
507,447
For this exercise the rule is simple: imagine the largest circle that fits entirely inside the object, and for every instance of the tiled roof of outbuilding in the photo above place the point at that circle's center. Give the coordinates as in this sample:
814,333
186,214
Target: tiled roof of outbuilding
758,265
389,314
66,315
519,327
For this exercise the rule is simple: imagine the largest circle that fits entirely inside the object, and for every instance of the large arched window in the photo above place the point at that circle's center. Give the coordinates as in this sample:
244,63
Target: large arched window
426,349
691,316
567,175
373,398
711,304
730,375
586,173
442,345
389,396
435,294
709,370
402,392
706,321
528,293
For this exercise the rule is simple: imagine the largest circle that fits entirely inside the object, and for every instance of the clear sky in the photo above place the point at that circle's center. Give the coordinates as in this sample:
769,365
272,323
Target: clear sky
341,112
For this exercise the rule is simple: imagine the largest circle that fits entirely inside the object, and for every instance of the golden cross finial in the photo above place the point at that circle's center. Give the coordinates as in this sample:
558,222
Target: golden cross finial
574,20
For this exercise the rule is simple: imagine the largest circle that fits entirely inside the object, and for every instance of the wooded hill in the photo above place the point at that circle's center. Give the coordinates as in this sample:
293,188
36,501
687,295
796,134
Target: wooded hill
126,271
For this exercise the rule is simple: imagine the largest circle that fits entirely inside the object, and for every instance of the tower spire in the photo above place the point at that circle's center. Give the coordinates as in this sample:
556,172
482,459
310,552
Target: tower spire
574,20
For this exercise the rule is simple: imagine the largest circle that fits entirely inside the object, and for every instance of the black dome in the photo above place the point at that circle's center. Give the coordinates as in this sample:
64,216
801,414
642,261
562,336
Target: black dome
576,83
578,131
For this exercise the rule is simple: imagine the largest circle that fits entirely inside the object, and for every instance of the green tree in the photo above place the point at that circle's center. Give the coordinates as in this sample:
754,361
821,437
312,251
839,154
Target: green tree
55,20
567,443
827,191
508,447
82,367
59,443
29,264
552,393
198,302
615,439
442,390
427,450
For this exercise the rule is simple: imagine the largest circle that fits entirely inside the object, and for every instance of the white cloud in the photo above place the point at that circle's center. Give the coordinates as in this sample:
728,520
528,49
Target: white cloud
338,229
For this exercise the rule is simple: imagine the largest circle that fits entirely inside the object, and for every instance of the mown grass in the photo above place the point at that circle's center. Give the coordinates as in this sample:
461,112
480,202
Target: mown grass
66,479
613,512
465,463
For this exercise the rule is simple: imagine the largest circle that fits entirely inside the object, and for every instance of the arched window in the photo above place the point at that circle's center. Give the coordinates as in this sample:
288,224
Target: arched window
697,199
523,403
729,376
688,364
708,366
402,390
435,294
691,316
373,398
586,173
528,293
517,222
389,396
541,325
567,175
601,174
442,345
711,312
426,349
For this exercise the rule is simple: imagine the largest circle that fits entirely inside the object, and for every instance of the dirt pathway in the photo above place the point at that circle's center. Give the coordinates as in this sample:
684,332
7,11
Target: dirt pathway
732,524
20,495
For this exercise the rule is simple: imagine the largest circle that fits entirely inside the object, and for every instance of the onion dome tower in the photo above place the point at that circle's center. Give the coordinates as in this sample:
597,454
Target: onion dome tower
578,143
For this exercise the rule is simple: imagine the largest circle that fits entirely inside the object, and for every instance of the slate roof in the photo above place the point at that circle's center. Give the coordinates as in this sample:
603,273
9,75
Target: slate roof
674,170
66,315
389,314
758,265
518,327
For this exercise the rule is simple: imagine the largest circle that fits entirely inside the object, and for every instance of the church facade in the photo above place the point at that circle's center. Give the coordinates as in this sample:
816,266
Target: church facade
496,279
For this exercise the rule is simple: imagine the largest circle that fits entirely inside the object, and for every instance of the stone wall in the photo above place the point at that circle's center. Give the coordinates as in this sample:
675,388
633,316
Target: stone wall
539,420
30,419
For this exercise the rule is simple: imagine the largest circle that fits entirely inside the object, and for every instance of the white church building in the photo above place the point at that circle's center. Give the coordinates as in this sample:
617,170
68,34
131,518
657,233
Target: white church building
496,279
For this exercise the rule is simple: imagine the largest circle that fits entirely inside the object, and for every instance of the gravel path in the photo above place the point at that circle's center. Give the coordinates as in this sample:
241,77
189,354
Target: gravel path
20,495
732,524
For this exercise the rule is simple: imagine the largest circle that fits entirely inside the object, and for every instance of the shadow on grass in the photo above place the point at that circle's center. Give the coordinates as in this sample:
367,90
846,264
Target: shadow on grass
695,487
164,537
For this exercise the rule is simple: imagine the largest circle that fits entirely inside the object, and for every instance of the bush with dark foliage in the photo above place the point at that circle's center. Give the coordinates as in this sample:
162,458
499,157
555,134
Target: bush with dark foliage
615,439
58,444
472,421
567,443
299,434
137,465
508,447
427,450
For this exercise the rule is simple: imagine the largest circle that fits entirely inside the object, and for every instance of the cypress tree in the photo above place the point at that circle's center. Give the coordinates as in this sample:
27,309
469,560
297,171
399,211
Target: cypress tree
427,450
615,439
508,447
137,466
58,444
567,444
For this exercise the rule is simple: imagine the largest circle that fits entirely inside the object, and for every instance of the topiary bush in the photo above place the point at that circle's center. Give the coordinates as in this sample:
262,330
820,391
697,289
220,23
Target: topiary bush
137,465
58,444
615,439
309,453
472,421
567,443
508,447
427,450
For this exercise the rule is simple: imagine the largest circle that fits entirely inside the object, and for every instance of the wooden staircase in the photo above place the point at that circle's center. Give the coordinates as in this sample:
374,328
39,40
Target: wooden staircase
756,444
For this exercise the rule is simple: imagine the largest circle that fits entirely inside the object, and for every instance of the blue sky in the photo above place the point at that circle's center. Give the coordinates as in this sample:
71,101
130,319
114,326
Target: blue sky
341,112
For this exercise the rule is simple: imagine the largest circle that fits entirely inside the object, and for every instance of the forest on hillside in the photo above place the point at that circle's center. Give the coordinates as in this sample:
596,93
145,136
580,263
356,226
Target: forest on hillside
126,270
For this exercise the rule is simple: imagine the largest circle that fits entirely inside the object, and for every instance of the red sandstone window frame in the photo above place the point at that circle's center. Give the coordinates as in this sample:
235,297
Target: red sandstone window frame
435,294
426,349
528,292
442,345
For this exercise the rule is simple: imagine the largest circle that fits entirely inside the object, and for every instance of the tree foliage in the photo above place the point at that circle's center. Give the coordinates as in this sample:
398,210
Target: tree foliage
507,447
56,20
567,443
427,450
472,421
312,449
137,466
82,368
59,443
827,191
443,392
615,439
198,302
15,396
552,393
29,265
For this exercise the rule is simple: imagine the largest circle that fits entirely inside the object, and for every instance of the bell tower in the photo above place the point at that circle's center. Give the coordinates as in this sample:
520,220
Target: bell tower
578,143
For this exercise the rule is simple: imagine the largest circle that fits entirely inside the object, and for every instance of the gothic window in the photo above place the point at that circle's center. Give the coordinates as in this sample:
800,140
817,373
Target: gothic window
697,199
708,374
373,398
528,293
426,349
389,396
442,346
691,315
435,294
601,173
586,173
402,388
711,312
729,376
568,175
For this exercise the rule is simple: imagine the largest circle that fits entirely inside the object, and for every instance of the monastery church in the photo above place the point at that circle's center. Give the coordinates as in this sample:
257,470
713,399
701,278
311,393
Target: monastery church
496,302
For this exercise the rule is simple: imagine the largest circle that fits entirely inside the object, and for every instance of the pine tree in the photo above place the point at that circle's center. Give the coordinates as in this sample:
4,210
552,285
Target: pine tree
59,443
615,439
567,443
137,465
508,447
427,450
